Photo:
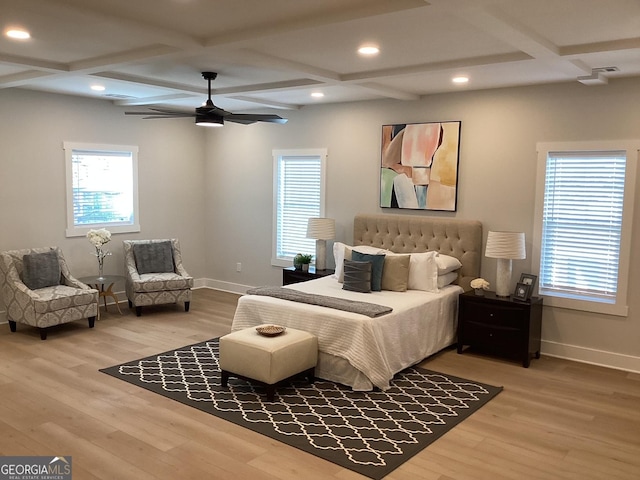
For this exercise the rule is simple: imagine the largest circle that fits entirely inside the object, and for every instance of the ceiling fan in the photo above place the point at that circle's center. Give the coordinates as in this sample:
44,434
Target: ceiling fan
209,115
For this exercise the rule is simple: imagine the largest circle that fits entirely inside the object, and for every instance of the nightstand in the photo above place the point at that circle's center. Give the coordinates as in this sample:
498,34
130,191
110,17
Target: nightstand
291,275
500,325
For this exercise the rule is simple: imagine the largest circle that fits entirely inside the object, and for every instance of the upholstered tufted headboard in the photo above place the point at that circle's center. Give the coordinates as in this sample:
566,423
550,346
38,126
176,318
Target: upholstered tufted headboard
406,234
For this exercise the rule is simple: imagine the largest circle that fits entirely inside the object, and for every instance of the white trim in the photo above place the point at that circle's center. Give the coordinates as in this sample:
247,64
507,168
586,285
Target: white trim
223,286
591,356
574,353
632,148
75,231
294,152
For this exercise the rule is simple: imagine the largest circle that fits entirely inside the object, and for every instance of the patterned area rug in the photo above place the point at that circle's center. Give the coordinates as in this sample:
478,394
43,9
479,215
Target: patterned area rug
371,433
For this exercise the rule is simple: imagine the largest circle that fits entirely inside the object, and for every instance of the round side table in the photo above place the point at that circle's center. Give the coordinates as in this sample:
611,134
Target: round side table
99,284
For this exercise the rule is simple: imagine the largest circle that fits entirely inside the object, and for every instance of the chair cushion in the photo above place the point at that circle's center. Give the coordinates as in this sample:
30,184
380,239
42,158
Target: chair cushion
157,282
59,297
40,270
156,257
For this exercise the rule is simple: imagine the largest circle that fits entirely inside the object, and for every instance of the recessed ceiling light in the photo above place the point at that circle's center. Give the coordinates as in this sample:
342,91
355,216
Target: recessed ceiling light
98,88
368,50
317,94
460,79
18,34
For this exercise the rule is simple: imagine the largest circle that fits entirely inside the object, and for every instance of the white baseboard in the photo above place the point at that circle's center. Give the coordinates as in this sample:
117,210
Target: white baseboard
575,353
591,356
223,286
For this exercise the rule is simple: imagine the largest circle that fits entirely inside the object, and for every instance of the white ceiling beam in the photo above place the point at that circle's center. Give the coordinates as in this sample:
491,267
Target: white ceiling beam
499,25
370,9
268,87
266,103
599,47
152,82
119,59
43,65
387,91
20,78
435,66
130,102
271,61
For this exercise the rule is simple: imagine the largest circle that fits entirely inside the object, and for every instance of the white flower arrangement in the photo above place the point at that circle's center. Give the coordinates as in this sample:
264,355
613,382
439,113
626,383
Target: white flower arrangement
99,237
480,283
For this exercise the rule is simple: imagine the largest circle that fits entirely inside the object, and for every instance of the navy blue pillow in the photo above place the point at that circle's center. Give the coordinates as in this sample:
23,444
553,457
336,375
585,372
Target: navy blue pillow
377,263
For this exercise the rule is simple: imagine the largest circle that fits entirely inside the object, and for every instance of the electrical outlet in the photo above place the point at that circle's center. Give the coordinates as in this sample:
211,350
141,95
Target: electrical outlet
238,267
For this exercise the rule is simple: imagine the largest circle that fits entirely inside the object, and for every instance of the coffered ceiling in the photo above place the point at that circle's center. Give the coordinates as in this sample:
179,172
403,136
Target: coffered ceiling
276,53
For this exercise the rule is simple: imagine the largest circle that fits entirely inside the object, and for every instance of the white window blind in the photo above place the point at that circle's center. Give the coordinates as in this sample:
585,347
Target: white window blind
102,188
582,224
298,195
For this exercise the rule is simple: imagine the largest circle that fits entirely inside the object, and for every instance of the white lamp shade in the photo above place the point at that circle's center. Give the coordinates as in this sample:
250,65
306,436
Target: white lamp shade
321,228
508,245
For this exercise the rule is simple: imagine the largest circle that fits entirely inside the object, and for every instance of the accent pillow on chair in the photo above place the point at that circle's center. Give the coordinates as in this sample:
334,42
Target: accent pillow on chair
153,257
41,270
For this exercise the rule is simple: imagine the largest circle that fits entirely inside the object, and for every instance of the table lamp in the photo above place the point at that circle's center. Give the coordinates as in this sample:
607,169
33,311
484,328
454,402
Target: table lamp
505,246
322,229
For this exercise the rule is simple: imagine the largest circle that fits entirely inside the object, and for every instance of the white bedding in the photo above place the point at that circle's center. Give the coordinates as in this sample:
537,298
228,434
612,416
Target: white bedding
421,324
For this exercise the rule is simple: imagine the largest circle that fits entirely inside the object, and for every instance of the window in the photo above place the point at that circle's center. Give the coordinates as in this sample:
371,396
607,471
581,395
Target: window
102,188
299,179
584,204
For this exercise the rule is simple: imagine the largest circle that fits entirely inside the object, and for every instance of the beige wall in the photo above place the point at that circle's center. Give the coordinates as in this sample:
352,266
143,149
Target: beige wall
213,189
32,170
500,129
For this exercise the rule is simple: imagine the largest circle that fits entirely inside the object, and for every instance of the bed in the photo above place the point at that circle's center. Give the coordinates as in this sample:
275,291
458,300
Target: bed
363,352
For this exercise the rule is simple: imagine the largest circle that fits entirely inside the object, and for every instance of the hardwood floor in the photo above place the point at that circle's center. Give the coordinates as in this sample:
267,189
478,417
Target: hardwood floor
554,420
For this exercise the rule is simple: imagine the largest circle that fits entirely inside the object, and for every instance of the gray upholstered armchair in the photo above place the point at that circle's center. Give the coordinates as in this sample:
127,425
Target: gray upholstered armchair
154,274
38,290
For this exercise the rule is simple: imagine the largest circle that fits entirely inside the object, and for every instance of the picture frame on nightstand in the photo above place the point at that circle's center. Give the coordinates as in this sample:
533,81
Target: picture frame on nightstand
529,279
522,292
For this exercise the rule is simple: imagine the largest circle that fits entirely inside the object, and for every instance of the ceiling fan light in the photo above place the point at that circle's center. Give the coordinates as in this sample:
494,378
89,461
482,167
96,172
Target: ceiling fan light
209,121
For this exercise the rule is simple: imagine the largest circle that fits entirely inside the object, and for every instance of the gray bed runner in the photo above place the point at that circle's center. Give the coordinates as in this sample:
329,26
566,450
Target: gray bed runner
364,308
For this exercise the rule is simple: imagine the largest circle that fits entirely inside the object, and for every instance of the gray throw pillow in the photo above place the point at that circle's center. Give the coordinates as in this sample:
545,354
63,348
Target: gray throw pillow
154,257
377,264
41,270
357,276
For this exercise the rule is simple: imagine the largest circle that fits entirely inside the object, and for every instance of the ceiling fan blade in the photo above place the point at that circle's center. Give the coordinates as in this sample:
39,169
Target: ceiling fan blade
249,118
162,114
152,116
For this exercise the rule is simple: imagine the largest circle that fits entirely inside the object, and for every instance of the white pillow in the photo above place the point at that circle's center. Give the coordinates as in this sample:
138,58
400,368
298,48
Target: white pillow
423,272
447,264
342,252
447,279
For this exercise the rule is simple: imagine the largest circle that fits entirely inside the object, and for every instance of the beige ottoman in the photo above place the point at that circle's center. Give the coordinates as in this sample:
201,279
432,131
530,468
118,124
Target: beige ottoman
247,354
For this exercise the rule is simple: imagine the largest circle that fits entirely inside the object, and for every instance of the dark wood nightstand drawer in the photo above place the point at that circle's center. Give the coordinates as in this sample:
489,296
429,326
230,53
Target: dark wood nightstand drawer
502,338
500,325
503,315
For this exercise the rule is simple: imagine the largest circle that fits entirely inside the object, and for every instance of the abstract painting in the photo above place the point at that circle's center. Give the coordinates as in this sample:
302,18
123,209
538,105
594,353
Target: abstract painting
419,168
